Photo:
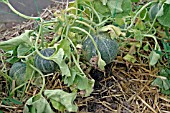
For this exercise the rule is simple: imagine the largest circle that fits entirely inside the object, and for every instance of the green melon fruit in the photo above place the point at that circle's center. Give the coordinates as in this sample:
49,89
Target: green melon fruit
45,66
18,72
108,47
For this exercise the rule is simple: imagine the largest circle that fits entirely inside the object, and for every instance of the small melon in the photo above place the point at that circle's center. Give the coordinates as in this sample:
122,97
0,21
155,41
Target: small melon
18,72
45,66
108,48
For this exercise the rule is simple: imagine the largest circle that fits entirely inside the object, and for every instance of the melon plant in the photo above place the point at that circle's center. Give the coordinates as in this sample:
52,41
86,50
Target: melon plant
45,66
107,47
18,72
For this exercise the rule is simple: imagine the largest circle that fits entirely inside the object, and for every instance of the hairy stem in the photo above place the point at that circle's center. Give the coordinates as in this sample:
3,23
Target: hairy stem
134,18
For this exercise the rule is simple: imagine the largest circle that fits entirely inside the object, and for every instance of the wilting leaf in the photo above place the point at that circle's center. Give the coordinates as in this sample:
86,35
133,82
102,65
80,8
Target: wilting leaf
62,100
37,104
11,44
80,81
58,58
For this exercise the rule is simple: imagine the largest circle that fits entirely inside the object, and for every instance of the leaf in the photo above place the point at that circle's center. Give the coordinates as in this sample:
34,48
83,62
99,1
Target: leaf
11,44
138,35
101,63
162,83
37,104
23,49
134,0
164,14
140,25
60,98
166,84
146,47
79,81
65,45
154,57
115,6
114,31
104,11
104,2
58,58
129,58
157,82
126,7
57,105
70,80
29,71
12,59
153,11
15,101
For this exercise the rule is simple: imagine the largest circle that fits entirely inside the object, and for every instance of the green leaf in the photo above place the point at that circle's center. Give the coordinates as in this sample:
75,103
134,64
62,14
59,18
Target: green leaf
57,105
134,0
65,45
15,101
23,49
115,6
70,80
146,47
154,57
58,58
62,99
126,7
29,71
166,84
130,58
104,11
37,104
11,44
1,111
138,35
12,59
140,25
166,92
162,83
101,63
164,14
104,2
154,11
157,82
79,81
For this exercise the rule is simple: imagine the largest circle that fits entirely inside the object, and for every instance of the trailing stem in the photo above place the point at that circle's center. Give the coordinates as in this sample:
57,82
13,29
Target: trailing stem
134,18
20,14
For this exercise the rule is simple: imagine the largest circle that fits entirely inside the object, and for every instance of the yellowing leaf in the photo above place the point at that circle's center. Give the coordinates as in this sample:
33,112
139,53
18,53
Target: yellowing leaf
129,58
113,30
